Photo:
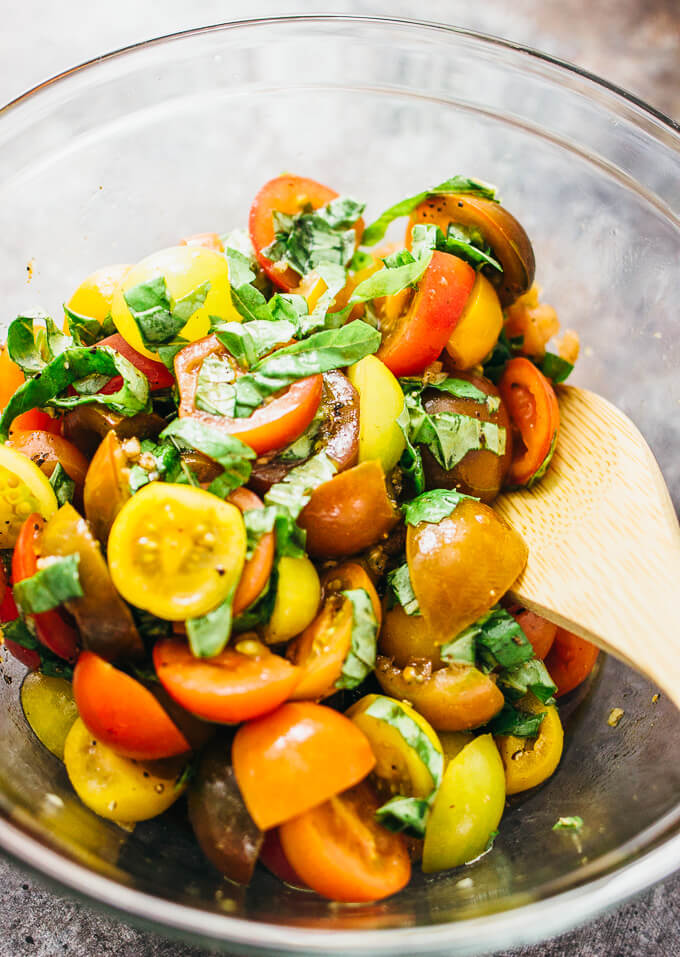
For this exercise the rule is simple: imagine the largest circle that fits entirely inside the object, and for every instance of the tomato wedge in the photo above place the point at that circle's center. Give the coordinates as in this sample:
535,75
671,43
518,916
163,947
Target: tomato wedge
273,858
295,758
415,338
47,450
540,632
321,649
272,426
159,376
285,194
350,575
231,687
341,852
258,567
120,712
10,612
570,660
11,377
532,404
50,627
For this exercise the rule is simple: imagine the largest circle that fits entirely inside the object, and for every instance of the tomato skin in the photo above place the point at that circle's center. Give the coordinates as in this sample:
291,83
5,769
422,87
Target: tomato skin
275,860
342,853
296,757
258,567
228,688
528,762
540,632
11,377
159,375
10,612
284,194
321,649
47,450
272,426
532,404
417,338
50,627
120,712
570,660
348,576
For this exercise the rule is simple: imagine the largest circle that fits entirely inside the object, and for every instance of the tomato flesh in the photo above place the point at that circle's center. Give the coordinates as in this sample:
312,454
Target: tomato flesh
159,376
570,660
532,404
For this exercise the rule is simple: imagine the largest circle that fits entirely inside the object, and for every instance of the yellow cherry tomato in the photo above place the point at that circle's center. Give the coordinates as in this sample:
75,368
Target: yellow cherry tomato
297,600
478,328
24,489
176,551
530,761
467,808
49,708
118,788
94,295
184,268
409,757
380,403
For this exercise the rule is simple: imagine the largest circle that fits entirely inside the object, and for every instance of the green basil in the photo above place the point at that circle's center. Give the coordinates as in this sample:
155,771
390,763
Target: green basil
249,341
460,241
360,660
158,317
405,815
233,455
531,675
20,632
86,331
462,650
573,823
498,638
209,634
399,581
261,609
290,496
510,720
50,586
64,487
32,347
456,184
399,273
312,237
555,367
433,506
215,392
258,522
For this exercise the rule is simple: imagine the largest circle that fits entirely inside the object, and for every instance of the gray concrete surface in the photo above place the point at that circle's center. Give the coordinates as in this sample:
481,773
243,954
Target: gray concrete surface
633,43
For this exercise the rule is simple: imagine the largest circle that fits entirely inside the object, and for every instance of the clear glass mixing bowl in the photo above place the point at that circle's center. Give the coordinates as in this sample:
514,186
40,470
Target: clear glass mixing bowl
123,156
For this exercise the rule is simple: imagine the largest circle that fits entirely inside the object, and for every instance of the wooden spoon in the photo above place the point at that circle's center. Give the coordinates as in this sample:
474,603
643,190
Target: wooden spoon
604,542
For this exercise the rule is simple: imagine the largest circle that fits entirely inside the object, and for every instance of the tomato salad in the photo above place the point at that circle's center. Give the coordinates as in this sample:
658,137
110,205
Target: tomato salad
250,553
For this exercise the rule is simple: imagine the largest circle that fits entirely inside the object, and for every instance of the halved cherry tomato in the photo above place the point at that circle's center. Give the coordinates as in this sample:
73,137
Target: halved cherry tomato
207,240
11,377
349,576
10,612
540,632
531,401
272,426
50,627
341,852
258,567
530,761
159,376
120,712
570,660
285,194
415,338
47,450
107,486
238,684
274,859
295,758
94,295
321,649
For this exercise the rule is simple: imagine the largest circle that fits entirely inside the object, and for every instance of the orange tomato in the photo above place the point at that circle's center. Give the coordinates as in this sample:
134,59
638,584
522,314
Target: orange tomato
340,851
347,577
532,405
570,660
321,649
228,688
539,631
120,712
47,450
295,758
258,567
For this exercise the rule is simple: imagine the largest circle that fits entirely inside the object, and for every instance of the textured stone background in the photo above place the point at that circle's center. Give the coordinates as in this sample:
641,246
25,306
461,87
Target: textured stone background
633,43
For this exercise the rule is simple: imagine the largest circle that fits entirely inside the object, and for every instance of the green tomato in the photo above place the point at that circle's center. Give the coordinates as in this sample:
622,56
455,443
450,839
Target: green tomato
49,709
381,402
468,807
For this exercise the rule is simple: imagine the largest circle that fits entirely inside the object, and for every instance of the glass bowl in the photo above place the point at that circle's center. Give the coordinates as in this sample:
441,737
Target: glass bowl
124,155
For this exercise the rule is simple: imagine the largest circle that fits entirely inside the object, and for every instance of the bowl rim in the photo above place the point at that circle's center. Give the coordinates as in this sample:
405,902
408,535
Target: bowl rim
525,923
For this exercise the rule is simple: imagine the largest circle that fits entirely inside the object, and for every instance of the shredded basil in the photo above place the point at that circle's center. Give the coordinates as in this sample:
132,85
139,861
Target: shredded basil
86,331
573,823
50,586
32,347
433,506
209,634
399,581
233,455
461,241
313,237
261,609
360,660
405,815
401,270
258,522
64,486
289,497
498,640
20,632
159,318
215,392
531,675
555,367
511,720
462,650
456,184
167,465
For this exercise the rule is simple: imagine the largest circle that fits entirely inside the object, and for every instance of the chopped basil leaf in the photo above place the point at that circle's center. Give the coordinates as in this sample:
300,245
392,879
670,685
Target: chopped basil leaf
360,660
167,351
233,455
239,241
531,675
209,634
33,347
456,184
68,367
460,241
433,506
504,350
158,317
555,367
459,388
64,487
360,260
86,331
159,462
250,302
545,464
498,638
312,237
510,720
462,650
399,581
215,392
411,461
249,341
573,823
397,275
19,631
50,586
258,522
405,814
290,496
304,446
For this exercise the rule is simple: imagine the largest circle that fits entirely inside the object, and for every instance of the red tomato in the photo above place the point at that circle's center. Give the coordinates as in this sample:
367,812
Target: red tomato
539,631
340,851
121,713
273,858
50,627
10,612
258,567
11,377
532,405
570,661
295,758
228,688
207,240
285,194
47,449
273,426
159,376
414,339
